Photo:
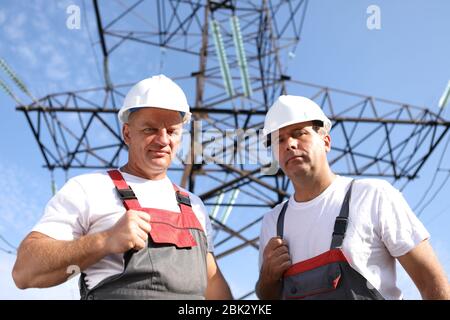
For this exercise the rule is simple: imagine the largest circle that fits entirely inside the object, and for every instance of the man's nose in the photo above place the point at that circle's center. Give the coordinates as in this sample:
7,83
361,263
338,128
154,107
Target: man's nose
291,143
162,138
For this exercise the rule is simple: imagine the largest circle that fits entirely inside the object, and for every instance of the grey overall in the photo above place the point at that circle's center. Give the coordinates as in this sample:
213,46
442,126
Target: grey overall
173,264
327,276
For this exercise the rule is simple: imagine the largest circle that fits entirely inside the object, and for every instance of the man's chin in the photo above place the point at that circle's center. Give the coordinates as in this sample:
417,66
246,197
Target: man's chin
159,163
298,170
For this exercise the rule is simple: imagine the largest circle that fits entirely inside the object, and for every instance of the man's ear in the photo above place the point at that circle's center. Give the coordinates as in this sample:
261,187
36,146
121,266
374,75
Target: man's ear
327,142
126,133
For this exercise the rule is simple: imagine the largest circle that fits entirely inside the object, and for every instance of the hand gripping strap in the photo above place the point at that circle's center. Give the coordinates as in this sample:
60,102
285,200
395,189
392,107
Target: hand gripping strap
167,227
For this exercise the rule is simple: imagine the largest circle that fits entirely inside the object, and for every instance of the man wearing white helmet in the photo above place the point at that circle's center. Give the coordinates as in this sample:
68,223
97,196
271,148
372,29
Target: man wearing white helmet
130,231
336,238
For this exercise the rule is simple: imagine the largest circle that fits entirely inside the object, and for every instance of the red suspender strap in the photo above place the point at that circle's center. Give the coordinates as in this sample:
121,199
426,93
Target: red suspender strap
126,194
189,218
167,226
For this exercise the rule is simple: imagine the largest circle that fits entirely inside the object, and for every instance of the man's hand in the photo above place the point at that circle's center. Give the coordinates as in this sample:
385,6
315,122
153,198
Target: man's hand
130,232
276,261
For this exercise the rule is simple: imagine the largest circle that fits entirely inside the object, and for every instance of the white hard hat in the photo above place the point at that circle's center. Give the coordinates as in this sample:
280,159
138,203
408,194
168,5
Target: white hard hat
288,110
157,92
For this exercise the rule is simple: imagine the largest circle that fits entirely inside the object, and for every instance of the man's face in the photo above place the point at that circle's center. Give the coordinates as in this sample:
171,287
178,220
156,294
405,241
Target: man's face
153,136
300,149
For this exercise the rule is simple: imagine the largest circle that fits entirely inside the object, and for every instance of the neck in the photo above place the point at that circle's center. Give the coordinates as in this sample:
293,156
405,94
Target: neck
146,174
309,187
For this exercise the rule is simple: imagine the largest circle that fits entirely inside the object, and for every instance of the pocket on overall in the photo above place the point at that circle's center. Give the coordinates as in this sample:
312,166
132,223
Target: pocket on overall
165,233
314,283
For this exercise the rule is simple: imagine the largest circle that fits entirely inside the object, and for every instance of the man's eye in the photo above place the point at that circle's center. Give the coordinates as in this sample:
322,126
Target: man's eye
149,130
298,133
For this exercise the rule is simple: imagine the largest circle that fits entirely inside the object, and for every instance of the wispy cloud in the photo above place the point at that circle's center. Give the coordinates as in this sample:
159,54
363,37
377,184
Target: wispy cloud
15,28
18,210
2,17
40,22
44,50
27,54
57,67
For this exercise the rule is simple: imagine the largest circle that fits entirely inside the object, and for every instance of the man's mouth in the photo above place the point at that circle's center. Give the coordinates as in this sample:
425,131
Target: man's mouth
159,153
293,157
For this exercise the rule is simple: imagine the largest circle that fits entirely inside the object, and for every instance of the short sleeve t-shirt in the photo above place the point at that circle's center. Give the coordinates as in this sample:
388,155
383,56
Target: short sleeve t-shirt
89,203
381,227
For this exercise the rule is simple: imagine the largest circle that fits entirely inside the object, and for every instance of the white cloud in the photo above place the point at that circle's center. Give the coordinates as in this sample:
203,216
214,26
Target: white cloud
2,16
15,28
62,5
45,48
39,6
27,54
57,67
40,22
18,210
64,42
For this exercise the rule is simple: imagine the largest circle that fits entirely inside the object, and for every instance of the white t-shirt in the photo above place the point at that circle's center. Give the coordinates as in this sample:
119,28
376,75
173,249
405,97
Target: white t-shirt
381,226
89,203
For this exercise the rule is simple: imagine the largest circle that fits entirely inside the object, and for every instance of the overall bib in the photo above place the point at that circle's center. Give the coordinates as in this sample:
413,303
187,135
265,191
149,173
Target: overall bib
327,276
173,264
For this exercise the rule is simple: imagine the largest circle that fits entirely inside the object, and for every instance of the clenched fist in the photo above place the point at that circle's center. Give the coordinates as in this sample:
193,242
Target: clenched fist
130,232
276,259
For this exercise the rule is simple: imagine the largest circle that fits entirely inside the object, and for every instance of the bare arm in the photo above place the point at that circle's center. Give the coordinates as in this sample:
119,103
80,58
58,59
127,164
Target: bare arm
217,288
268,290
276,261
425,270
43,261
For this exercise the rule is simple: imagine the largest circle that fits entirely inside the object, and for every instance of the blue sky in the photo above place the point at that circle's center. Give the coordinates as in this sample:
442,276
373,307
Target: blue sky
406,60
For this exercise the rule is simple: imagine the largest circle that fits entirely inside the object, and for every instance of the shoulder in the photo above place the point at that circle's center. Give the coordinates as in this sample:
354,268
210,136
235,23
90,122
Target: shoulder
374,185
270,218
92,182
88,179
87,185
379,193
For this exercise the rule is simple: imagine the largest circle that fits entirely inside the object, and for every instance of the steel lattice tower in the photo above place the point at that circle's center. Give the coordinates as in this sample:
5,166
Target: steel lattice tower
371,136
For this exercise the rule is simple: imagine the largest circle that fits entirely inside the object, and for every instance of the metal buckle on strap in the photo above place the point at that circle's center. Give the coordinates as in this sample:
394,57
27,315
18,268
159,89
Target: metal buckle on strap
340,226
126,194
183,199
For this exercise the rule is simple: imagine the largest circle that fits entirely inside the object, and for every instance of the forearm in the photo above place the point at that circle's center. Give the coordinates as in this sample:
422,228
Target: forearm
268,290
435,286
46,262
218,289
422,265
439,291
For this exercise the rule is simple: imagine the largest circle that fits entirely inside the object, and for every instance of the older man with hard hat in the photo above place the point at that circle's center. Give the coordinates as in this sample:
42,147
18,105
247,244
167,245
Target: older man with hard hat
131,231
335,237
